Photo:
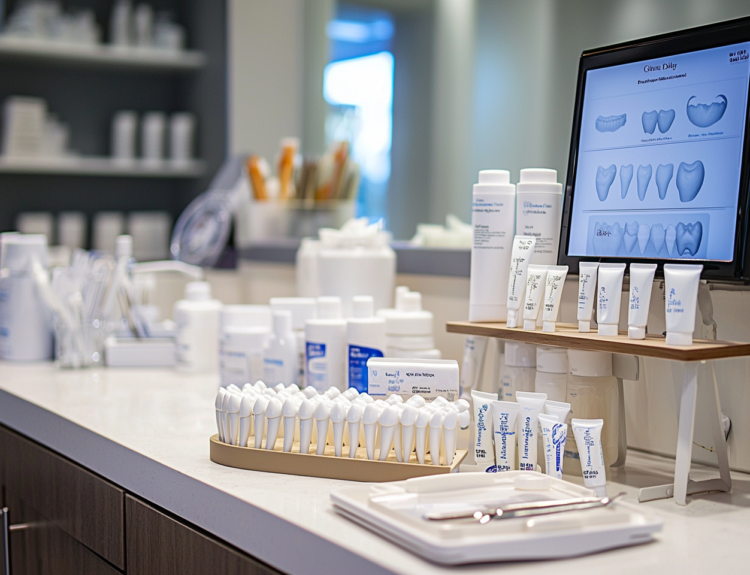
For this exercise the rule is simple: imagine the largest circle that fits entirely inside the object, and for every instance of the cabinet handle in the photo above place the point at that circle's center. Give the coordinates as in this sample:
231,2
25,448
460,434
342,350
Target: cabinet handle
6,530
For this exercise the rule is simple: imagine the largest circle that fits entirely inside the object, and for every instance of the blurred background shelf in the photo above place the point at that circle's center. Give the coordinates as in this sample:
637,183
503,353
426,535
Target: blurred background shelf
93,166
101,55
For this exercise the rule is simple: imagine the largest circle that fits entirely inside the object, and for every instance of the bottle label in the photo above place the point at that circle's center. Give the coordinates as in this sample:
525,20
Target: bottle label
317,366
358,356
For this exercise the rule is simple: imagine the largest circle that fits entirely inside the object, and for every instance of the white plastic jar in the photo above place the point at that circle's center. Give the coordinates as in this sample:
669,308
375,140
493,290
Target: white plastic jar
408,328
519,370
196,321
552,372
592,394
243,330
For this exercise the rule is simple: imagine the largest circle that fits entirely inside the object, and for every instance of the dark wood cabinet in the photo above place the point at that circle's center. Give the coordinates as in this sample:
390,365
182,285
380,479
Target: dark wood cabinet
160,544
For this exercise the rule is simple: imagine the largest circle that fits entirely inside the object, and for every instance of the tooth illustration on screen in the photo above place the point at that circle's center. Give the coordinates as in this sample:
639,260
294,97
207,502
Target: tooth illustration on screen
690,179
670,235
604,179
611,123
688,238
649,120
705,115
663,177
631,236
643,234
644,177
607,239
657,237
666,117
626,176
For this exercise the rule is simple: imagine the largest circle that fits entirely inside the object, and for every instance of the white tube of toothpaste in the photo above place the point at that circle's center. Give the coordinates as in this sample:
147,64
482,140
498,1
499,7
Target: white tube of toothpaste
586,294
523,250
681,283
588,434
504,415
641,282
475,350
553,436
536,281
531,405
609,296
484,456
552,294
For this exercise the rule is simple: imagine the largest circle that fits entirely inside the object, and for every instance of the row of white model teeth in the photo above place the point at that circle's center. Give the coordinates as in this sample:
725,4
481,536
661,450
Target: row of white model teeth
347,419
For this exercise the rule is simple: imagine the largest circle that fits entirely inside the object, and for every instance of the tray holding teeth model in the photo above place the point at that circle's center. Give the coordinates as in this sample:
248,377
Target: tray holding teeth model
358,468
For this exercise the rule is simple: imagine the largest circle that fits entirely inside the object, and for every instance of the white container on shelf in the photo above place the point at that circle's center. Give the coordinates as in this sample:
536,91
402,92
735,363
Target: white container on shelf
325,347
408,328
539,212
124,130
106,227
552,373
37,223
243,331
197,329
302,309
71,230
151,235
181,135
25,321
280,353
365,338
519,371
153,127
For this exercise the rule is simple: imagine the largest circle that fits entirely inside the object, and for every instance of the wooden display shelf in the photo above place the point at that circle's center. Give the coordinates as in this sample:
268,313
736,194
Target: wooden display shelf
358,468
567,335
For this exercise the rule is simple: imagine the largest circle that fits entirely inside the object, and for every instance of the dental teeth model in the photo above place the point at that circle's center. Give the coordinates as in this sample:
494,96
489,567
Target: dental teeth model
685,239
705,115
626,176
611,123
664,173
407,431
604,179
689,180
644,178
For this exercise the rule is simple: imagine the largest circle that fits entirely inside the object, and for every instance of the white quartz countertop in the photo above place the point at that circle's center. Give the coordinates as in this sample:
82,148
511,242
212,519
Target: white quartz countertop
148,430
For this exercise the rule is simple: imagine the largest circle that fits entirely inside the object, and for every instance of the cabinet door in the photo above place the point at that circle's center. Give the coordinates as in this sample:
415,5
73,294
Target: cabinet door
86,507
159,544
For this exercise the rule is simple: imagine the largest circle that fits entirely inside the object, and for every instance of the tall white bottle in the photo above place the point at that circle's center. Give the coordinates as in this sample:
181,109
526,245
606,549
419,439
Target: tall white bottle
493,214
365,338
197,329
325,346
302,309
280,355
539,212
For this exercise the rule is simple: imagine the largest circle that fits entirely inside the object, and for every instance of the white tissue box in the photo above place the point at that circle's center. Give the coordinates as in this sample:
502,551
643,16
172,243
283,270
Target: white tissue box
429,378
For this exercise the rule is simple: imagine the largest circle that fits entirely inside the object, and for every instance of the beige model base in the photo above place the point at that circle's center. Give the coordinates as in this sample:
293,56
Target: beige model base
357,469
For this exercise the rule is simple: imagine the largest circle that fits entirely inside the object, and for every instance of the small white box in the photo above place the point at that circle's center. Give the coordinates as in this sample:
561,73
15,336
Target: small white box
429,378
131,352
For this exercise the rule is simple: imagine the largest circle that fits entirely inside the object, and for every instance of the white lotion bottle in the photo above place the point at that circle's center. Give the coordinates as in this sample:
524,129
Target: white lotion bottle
539,211
280,356
325,346
493,222
197,329
365,338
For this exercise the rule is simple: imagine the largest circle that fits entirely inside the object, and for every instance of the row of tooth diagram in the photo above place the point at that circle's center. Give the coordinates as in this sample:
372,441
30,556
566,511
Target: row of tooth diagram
609,240
700,115
689,180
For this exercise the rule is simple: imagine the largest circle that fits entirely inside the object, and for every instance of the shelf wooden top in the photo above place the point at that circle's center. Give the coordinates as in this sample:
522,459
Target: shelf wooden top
567,335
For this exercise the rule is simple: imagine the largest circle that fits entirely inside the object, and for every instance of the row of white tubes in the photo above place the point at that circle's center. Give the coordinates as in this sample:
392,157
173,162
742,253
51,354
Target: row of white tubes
343,419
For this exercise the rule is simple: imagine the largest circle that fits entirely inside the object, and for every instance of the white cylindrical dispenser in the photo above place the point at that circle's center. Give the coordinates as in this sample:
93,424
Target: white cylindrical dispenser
519,370
492,219
552,373
302,309
539,211
592,394
408,328
365,338
25,321
197,329
280,354
325,346
243,331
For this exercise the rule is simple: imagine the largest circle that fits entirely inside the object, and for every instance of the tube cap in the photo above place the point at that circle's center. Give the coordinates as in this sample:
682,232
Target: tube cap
589,363
198,291
552,359
608,329
362,306
549,326
282,322
545,175
637,332
529,325
678,338
512,320
494,177
601,490
520,354
584,326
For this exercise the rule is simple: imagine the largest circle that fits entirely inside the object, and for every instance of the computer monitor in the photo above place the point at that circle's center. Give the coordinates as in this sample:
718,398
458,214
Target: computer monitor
659,164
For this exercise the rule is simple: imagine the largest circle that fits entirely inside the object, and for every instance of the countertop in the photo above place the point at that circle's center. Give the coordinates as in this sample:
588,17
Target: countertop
148,430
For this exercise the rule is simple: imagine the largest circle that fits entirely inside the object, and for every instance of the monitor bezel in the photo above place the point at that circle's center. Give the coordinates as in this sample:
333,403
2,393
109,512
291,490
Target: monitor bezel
685,41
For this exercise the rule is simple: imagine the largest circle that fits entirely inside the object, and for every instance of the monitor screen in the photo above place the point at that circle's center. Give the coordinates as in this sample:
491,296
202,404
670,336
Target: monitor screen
659,157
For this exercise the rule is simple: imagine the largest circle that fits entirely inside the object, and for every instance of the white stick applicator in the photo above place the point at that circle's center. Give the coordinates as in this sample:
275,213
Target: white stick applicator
354,418
306,410
322,414
289,412
436,427
235,399
420,427
246,417
273,417
388,422
225,416
450,423
338,420
369,423
219,412
259,419
397,433
407,418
